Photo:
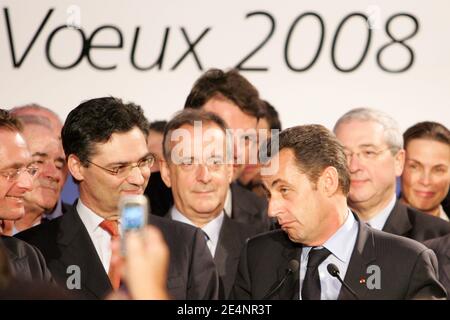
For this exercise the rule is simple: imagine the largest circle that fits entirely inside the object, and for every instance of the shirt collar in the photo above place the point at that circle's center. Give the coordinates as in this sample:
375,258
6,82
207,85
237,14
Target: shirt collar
90,219
342,242
442,213
57,211
212,228
228,206
379,220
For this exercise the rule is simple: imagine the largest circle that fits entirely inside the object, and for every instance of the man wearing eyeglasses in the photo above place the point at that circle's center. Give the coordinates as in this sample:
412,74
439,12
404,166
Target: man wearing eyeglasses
105,143
33,115
375,157
199,173
16,178
48,156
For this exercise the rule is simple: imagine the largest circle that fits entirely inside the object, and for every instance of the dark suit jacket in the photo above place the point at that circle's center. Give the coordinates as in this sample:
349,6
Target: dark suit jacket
247,207
232,238
408,222
408,269
65,242
441,246
159,195
26,262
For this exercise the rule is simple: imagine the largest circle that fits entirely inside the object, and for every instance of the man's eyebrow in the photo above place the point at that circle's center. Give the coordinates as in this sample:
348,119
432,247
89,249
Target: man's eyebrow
128,162
61,159
16,165
367,145
40,154
277,182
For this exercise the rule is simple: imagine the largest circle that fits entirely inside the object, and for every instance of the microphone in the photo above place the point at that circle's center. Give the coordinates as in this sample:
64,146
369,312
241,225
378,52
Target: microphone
292,268
334,272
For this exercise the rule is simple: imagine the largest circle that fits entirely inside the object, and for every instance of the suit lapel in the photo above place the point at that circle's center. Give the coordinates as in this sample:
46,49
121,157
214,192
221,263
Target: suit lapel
227,253
77,249
445,264
398,221
228,247
363,254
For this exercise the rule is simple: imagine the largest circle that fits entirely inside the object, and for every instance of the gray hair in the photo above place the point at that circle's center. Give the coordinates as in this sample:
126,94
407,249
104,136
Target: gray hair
28,119
392,134
29,108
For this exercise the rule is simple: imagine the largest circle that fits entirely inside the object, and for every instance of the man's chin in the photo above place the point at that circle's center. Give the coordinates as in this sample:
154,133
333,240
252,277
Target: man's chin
13,214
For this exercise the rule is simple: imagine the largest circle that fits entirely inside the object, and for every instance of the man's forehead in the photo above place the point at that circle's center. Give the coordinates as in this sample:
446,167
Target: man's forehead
230,113
360,133
285,161
206,132
13,149
128,146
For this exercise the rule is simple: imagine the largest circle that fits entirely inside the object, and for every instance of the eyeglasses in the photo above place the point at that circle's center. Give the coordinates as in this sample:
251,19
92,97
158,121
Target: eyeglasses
365,154
14,174
124,170
190,164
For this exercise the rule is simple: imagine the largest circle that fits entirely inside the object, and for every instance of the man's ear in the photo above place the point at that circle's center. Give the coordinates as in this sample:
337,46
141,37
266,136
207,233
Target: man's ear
165,172
75,167
399,159
229,172
329,181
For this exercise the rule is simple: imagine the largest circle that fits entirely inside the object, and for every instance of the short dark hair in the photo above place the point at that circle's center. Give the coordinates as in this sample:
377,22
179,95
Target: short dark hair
271,115
316,148
230,85
95,121
9,122
189,117
158,126
427,130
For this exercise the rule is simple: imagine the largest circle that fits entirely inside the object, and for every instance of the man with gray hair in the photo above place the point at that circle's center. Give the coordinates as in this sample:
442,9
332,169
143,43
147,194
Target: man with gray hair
375,157
48,156
39,123
34,109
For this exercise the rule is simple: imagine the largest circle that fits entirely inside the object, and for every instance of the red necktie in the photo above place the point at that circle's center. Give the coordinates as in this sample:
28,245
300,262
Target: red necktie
111,226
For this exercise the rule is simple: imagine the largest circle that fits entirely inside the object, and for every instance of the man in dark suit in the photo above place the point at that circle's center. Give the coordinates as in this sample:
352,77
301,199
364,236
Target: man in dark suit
233,98
105,142
320,237
35,114
199,182
374,148
48,155
16,178
441,246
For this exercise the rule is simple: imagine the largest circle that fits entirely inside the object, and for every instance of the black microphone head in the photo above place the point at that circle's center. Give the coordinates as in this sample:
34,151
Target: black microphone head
333,269
293,265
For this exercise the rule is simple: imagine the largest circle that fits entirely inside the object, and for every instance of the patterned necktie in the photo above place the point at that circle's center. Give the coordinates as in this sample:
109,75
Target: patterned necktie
111,226
311,284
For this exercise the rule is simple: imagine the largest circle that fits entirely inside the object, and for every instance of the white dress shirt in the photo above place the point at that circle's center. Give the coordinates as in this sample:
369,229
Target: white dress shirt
100,237
341,245
211,229
228,206
442,214
380,219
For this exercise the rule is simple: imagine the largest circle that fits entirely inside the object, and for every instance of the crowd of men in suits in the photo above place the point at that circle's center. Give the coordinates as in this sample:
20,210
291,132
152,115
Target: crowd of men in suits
316,216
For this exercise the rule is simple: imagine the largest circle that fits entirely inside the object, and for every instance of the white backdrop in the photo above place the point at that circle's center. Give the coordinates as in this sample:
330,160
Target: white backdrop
233,29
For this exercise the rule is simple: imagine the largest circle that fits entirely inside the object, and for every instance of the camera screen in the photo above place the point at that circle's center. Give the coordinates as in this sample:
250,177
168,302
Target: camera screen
133,217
